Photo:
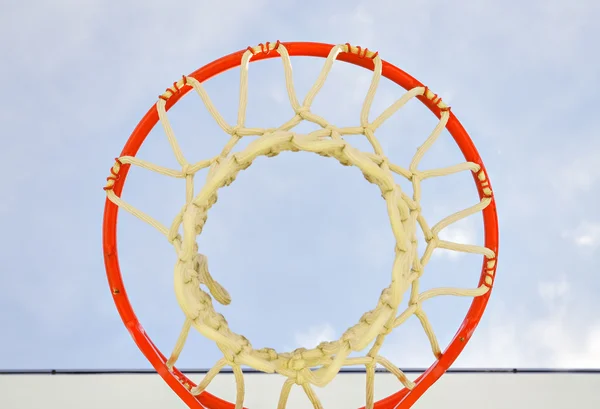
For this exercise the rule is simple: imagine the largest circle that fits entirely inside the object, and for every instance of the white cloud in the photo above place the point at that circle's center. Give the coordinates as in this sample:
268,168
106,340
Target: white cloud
580,174
278,94
315,335
547,342
587,234
553,290
517,337
565,348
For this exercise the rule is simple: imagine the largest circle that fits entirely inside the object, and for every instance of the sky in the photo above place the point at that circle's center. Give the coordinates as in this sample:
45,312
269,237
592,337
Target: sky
302,244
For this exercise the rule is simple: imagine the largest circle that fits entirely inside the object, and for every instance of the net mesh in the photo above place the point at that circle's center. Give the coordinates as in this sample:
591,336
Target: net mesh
316,366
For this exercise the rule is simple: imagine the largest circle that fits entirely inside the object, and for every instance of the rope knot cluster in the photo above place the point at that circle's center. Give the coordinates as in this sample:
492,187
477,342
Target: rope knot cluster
319,365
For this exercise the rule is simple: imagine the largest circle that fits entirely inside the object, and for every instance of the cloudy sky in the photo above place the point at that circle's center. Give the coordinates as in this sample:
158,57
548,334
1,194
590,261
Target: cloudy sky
301,243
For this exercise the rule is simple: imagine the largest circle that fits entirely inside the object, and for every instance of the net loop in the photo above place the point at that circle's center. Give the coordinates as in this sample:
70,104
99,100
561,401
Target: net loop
114,175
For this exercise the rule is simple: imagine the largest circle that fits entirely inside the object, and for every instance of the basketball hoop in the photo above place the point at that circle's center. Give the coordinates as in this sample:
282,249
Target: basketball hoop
317,366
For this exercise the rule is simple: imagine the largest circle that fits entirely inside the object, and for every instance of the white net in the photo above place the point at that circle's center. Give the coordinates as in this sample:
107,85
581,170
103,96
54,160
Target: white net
316,366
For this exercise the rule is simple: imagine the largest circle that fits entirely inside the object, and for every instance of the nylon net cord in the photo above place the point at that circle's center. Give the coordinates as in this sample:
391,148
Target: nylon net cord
316,366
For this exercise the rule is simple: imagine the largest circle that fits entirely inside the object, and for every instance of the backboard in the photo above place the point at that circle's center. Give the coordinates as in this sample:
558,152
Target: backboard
465,389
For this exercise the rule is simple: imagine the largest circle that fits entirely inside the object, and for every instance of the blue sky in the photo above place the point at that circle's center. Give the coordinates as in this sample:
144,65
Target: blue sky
297,240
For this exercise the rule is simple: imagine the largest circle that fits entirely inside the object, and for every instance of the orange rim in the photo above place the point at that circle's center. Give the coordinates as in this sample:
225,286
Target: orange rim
176,380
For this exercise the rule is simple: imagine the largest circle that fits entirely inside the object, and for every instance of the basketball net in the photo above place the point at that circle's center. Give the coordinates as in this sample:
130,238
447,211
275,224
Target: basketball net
316,366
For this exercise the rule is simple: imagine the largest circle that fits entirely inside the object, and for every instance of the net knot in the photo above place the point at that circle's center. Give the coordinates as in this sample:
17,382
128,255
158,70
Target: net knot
332,129
328,348
415,303
186,170
302,111
368,129
174,237
215,320
268,353
299,378
199,219
386,330
244,346
297,363
189,274
351,337
386,296
200,306
235,131
368,317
